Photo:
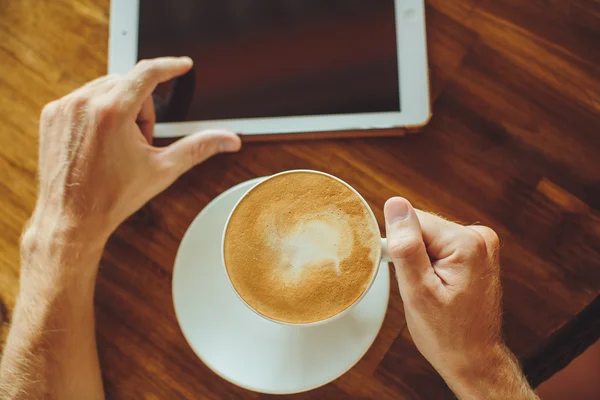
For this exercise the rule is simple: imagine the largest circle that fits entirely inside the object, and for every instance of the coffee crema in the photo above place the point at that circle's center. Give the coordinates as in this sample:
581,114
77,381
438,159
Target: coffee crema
301,247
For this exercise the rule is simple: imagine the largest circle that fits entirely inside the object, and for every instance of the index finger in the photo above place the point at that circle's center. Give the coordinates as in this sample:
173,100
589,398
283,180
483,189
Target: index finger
441,236
141,80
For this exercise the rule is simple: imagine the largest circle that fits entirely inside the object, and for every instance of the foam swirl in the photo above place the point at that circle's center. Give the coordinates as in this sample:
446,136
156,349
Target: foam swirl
301,247
316,241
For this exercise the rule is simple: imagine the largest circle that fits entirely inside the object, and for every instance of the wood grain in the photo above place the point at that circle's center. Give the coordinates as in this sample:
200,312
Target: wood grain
514,143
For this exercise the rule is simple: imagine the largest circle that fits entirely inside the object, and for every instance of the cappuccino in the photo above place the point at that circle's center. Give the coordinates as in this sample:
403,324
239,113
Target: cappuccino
301,247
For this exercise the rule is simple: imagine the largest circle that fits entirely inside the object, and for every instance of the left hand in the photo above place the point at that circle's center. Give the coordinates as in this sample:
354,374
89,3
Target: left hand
97,165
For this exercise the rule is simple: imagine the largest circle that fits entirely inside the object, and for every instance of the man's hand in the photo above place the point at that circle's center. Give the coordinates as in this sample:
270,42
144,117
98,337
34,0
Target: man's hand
448,275
97,164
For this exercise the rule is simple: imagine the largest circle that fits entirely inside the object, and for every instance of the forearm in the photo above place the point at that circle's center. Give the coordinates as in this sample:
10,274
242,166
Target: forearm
497,375
51,349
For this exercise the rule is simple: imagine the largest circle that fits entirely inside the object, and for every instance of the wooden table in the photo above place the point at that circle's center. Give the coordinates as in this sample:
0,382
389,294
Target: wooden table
514,144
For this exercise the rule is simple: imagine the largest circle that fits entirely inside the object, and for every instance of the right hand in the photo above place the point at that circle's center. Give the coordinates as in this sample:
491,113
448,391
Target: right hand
448,275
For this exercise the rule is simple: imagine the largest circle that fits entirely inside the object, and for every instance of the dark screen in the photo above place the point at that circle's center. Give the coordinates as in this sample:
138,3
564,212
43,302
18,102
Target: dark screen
270,58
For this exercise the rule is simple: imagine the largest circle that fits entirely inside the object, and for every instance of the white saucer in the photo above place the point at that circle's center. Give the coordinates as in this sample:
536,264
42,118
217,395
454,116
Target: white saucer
246,349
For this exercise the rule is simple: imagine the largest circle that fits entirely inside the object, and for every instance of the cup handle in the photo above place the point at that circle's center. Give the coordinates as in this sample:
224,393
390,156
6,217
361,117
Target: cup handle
385,253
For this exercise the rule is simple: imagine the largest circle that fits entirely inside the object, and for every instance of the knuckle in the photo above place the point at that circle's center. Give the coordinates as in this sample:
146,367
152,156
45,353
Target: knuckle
490,236
404,246
76,102
471,246
106,110
146,67
49,110
144,63
478,244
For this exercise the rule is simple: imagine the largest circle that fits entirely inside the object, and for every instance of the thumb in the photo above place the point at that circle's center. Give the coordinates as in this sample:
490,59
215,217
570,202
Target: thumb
405,244
194,149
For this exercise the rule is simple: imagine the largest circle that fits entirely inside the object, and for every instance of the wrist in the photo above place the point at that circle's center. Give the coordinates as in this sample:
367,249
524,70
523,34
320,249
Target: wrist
54,251
51,228
492,374
51,219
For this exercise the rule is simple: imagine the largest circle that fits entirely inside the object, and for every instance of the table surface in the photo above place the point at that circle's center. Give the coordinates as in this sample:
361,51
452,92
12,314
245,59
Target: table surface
513,144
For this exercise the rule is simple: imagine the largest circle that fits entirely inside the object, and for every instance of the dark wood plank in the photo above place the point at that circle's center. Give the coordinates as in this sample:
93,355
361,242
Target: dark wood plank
514,144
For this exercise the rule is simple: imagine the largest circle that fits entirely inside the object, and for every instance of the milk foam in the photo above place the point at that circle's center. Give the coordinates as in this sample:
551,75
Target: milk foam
301,247
320,240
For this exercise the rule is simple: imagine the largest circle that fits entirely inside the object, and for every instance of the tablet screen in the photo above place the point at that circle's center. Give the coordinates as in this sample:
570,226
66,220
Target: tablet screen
276,58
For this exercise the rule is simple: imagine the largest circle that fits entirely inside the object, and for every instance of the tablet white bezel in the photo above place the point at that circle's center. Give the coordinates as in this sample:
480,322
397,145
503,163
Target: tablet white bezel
412,64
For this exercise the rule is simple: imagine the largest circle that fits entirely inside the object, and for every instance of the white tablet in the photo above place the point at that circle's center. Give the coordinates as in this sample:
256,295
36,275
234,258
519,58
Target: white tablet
280,66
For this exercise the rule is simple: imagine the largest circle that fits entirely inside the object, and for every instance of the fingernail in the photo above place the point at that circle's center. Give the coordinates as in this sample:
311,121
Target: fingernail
228,146
187,59
396,210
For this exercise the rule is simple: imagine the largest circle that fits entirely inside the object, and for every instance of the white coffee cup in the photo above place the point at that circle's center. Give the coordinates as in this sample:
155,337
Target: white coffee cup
383,250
